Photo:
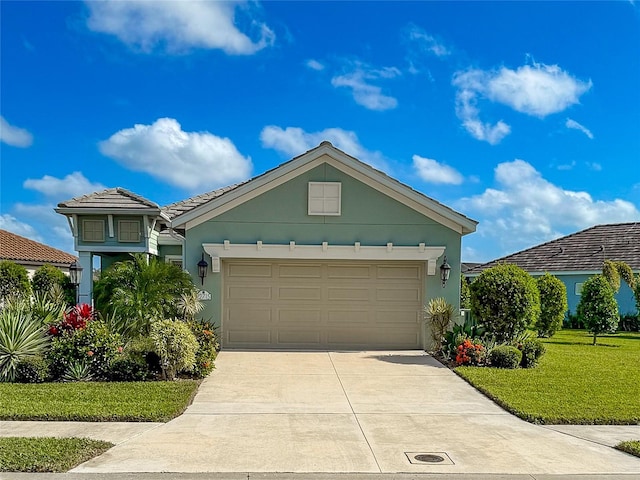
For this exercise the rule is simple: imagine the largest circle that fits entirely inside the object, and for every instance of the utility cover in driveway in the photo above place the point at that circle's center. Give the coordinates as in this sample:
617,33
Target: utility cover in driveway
318,305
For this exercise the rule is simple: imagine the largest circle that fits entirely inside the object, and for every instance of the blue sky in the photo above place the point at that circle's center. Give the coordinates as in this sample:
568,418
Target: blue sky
523,116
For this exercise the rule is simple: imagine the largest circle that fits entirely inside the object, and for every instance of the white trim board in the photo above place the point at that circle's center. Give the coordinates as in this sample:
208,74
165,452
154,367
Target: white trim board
324,251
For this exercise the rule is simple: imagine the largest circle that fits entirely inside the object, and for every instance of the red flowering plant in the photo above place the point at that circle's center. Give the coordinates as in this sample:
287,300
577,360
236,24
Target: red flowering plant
470,353
76,318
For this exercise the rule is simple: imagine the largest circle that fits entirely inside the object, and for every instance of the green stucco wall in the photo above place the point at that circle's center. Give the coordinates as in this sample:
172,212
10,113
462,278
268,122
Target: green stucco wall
280,216
625,297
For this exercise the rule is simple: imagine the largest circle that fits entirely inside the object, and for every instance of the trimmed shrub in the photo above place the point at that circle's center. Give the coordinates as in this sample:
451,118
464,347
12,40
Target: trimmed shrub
14,280
505,300
629,323
207,348
129,369
553,305
532,350
465,293
48,278
92,345
34,369
176,345
505,356
598,310
439,315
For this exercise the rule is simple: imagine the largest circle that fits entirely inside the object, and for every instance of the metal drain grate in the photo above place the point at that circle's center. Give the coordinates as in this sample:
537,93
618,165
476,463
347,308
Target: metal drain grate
429,458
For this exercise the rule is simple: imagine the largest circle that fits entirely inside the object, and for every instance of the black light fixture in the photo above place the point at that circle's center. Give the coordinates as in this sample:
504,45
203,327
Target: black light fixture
202,269
445,270
75,275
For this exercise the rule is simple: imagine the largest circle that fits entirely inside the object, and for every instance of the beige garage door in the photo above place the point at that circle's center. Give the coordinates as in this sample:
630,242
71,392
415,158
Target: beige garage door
316,305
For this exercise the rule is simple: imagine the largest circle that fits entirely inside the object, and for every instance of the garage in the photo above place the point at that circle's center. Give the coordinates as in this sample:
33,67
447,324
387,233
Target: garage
279,304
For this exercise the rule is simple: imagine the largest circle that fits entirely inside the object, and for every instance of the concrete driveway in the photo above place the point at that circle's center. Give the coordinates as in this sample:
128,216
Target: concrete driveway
368,412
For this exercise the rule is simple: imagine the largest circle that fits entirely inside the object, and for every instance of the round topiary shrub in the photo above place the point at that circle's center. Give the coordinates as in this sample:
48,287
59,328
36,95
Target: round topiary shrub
505,356
505,300
14,280
553,305
47,278
598,309
532,349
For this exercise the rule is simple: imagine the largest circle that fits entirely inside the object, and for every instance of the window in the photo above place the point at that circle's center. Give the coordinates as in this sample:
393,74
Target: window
93,230
324,198
174,260
578,288
129,231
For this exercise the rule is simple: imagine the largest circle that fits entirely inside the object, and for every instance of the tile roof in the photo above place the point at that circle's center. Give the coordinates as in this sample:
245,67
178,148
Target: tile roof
183,206
581,251
111,198
19,249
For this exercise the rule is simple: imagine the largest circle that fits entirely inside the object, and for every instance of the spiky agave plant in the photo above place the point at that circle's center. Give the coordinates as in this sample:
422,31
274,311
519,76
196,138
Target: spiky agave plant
439,314
22,335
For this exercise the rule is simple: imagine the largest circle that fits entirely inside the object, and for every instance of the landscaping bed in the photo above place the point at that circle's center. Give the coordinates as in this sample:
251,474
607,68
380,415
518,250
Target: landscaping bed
20,454
575,382
97,401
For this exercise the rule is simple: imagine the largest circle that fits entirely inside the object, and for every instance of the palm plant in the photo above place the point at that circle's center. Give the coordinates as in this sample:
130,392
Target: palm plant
22,335
141,290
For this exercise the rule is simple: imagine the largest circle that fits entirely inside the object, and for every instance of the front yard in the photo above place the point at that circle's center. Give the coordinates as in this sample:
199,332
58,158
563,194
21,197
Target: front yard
575,383
96,401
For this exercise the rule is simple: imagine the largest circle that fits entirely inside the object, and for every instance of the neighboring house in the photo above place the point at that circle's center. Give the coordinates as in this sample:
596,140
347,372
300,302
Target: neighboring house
32,255
323,251
576,257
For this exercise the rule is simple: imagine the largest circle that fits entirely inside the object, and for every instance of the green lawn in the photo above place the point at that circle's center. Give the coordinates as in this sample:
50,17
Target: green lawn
96,401
575,383
632,447
47,454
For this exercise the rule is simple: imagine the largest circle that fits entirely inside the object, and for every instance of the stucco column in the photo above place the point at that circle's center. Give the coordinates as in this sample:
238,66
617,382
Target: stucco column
86,284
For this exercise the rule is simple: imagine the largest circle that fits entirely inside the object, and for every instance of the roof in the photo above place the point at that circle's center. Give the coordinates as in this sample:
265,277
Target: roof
22,250
111,198
187,210
465,266
585,250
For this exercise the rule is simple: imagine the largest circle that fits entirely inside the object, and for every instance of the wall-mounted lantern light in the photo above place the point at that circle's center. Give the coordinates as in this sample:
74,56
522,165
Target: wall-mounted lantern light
445,271
75,275
202,269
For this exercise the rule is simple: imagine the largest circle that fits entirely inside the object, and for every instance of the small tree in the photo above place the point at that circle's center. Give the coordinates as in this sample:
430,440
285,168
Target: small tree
14,280
598,309
553,305
439,315
465,293
176,345
505,300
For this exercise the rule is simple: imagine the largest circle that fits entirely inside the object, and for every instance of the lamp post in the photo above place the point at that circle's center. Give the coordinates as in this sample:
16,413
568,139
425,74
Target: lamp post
75,275
202,269
445,271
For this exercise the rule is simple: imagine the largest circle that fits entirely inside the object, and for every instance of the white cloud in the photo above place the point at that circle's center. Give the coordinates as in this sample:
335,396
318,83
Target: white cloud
191,160
595,166
73,185
427,42
570,123
14,136
12,224
433,171
293,141
178,26
525,209
538,90
359,79
315,65
567,166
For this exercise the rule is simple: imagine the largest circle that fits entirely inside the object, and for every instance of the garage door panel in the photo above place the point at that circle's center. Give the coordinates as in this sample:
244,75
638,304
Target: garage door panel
312,304
409,272
300,271
298,337
348,271
348,294
249,292
308,316
346,317
299,293
398,295
260,270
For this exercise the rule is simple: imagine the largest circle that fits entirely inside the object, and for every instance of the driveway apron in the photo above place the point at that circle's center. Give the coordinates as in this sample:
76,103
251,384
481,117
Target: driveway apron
366,412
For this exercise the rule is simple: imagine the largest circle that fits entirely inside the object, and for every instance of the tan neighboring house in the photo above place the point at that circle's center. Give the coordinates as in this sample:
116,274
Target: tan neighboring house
32,254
